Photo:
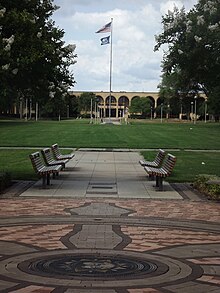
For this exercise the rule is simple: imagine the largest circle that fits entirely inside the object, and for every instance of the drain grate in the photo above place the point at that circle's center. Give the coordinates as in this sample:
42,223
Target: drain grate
105,188
102,187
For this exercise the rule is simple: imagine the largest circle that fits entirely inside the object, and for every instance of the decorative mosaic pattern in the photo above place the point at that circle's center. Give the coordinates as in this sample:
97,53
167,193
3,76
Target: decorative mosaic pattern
109,246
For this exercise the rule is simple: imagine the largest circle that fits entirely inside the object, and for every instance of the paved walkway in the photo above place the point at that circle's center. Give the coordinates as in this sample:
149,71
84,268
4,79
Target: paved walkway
87,233
103,174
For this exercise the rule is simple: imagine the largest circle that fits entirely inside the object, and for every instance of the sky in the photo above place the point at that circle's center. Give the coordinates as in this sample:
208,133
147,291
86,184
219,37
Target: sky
135,65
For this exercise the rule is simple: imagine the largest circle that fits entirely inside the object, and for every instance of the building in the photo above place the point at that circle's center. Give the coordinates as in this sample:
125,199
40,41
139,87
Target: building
120,101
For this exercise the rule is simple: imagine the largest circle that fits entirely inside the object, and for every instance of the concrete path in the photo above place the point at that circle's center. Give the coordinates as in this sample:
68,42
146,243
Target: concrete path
103,174
87,233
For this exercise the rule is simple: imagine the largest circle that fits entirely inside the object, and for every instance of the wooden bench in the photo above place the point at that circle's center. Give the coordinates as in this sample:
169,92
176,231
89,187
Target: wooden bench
57,154
164,171
157,162
42,170
49,159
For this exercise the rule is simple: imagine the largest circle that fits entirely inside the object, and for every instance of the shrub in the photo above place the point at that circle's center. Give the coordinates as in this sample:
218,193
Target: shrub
206,184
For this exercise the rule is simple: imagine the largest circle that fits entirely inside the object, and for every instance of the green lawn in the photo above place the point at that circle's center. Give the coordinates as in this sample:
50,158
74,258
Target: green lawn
134,135
76,133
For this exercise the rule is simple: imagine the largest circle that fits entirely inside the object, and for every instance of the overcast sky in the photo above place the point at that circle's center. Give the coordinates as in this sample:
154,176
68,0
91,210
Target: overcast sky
136,67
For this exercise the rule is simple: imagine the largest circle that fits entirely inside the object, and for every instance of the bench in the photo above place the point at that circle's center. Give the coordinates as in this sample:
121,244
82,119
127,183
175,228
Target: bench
164,171
49,159
156,162
42,170
57,154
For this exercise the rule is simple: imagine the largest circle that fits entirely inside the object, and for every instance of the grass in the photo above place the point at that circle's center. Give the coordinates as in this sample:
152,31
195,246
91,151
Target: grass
190,164
138,135
134,135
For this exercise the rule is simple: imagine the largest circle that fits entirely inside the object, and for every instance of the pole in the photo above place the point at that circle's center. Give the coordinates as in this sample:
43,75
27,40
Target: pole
195,111
161,113
30,114
192,111
205,110
110,74
26,109
91,110
36,112
21,108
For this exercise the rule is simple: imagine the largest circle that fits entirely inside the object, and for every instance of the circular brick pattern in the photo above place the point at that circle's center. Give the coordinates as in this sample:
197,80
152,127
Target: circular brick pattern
90,266
99,269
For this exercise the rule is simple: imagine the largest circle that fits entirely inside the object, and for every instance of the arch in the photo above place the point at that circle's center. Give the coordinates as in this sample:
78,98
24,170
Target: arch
123,105
152,101
134,97
117,101
99,100
123,101
113,101
112,108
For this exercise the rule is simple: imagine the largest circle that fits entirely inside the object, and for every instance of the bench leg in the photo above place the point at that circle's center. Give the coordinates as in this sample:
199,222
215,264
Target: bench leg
48,178
151,177
159,183
44,180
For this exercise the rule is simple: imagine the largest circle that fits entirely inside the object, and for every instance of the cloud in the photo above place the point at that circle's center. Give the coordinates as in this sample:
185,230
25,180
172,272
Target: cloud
136,66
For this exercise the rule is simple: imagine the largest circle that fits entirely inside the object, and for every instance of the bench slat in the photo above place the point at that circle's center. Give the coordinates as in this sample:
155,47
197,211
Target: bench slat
162,172
43,170
57,154
156,162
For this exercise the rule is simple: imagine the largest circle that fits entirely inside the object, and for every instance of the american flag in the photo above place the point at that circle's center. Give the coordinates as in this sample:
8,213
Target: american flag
106,28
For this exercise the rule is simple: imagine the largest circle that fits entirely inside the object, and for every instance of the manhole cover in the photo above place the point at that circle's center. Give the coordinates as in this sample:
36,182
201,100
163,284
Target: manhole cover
90,266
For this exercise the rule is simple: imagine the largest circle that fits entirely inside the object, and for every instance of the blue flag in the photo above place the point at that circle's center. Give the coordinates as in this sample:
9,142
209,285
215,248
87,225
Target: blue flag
105,40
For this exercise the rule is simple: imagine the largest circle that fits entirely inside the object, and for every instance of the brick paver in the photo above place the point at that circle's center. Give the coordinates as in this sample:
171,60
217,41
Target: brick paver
109,245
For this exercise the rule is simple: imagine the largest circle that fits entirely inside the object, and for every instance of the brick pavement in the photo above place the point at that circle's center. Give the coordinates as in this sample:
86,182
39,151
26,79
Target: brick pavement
99,227
109,245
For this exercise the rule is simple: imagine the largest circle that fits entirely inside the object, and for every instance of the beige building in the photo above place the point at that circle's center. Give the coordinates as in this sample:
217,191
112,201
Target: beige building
120,101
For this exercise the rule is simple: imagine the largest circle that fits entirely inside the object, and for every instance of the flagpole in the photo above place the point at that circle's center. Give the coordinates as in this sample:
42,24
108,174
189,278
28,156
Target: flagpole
110,74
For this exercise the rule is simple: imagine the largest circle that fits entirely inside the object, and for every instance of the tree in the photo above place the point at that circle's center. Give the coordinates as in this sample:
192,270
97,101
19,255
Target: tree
34,60
191,63
85,101
140,106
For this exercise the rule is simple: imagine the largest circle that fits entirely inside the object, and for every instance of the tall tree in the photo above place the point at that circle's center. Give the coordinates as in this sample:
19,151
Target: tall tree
192,50
34,60
86,101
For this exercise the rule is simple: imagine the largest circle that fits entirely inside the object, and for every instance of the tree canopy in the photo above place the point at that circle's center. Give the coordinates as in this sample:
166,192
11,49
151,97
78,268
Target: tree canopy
191,61
34,59
140,106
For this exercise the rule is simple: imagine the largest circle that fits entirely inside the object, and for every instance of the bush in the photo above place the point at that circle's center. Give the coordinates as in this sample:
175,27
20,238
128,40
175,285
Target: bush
202,183
5,181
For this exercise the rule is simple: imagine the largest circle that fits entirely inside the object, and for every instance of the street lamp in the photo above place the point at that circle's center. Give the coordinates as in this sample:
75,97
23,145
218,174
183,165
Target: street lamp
195,110
30,114
181,108
192,111
161,113
91,111
205,110
151,113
